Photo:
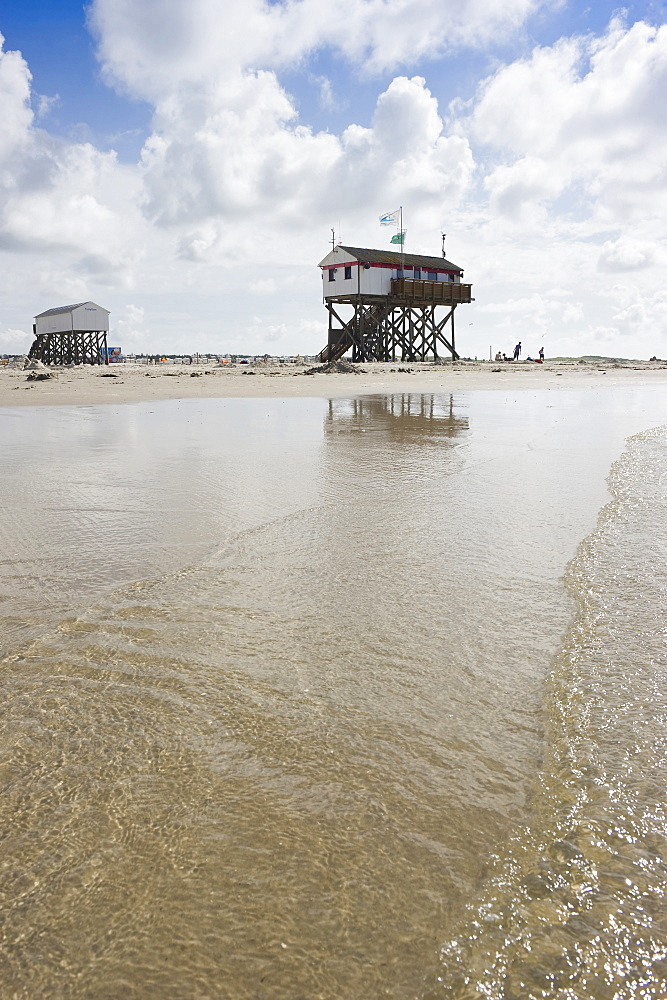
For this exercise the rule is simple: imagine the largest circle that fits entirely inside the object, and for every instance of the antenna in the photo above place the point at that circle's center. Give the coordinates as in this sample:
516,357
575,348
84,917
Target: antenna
333,239
443,244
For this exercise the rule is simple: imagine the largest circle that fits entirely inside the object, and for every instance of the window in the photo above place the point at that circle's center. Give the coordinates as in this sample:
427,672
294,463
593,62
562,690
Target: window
332,274
348,272
418,273
432,275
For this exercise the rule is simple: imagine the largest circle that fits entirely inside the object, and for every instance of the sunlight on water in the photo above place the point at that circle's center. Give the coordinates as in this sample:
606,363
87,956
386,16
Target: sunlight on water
279,676
577,904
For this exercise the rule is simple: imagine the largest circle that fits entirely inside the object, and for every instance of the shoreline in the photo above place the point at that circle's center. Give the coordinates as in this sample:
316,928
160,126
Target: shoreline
134,383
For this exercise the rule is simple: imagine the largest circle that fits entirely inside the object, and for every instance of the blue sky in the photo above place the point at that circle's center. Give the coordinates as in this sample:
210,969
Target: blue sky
182,163
86,107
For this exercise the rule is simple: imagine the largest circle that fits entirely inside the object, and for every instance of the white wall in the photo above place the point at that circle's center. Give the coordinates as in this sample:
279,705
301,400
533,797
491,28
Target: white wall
87,317
376,280
365,281
373,280
91,317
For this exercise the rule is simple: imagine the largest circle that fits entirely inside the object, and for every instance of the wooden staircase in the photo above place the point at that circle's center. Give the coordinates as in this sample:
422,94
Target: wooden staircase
336,350
362,332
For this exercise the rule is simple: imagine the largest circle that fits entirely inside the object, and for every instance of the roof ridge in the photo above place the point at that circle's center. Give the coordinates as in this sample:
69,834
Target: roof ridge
75,305
391,256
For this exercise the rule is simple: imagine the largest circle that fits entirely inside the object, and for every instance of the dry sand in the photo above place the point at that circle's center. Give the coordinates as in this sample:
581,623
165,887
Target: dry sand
134,382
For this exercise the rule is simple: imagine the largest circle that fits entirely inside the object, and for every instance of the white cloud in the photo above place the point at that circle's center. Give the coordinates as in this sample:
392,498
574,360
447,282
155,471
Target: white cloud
327,97
14,341
626,255
521,190
227,142
53,194
194,245
241,153
266,286
571,147
161,46
130,328
573,313
17,116
231,153
45,104
586,116
281,335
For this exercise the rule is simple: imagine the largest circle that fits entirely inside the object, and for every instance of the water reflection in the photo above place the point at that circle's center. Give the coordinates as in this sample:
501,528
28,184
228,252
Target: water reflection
400,417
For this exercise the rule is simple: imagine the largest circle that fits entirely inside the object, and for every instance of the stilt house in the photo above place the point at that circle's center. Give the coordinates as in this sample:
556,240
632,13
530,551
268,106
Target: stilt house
394,298
75,334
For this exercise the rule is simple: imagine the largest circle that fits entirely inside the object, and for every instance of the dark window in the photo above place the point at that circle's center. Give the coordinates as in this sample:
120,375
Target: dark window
418,273
332,274
348,272
432,275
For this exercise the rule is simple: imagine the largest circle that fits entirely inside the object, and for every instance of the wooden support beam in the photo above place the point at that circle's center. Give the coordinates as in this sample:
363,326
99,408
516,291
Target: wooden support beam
380,329
74,348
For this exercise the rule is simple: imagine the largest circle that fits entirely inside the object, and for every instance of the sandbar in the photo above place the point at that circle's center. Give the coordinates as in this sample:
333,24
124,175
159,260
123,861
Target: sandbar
134,382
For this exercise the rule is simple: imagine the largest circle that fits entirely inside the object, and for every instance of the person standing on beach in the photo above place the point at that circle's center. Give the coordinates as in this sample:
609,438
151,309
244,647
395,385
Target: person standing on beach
541,354
517,351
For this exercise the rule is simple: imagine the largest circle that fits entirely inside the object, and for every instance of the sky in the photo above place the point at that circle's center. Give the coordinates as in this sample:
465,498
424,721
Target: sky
184,162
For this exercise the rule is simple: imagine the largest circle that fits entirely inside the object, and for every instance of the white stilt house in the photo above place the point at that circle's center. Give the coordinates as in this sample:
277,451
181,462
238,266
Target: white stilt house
75,334
394,297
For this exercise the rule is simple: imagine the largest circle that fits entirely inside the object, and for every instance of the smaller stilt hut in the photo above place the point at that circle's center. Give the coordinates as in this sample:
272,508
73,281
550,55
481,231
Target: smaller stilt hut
71,335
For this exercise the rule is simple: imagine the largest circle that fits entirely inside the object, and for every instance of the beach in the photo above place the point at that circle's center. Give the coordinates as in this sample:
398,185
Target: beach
132,382
333,685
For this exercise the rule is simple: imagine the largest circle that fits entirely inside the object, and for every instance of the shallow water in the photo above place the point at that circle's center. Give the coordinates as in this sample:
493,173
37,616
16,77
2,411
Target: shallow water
576,904
280,676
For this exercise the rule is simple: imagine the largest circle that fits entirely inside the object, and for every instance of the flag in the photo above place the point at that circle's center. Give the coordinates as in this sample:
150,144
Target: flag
398,238
390,218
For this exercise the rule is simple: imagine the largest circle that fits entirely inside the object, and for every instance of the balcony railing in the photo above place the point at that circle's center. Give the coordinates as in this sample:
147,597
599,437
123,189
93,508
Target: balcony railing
437,292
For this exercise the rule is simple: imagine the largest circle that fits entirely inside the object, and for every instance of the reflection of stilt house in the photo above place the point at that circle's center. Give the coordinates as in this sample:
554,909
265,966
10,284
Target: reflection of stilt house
71,335
405,417
394,299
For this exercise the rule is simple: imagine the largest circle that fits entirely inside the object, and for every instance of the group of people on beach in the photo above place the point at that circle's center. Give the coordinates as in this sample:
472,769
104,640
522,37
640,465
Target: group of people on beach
501,356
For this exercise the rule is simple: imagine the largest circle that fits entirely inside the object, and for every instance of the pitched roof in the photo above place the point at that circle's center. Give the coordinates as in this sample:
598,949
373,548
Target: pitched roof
392,257
66,309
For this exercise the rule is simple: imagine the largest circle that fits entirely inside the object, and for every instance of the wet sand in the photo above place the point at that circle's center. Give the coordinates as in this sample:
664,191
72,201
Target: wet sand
134,382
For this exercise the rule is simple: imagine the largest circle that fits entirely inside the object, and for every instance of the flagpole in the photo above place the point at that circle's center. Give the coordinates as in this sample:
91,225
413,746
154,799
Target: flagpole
402,240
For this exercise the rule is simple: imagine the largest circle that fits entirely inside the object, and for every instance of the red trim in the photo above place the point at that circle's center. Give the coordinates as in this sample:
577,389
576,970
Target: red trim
391,267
